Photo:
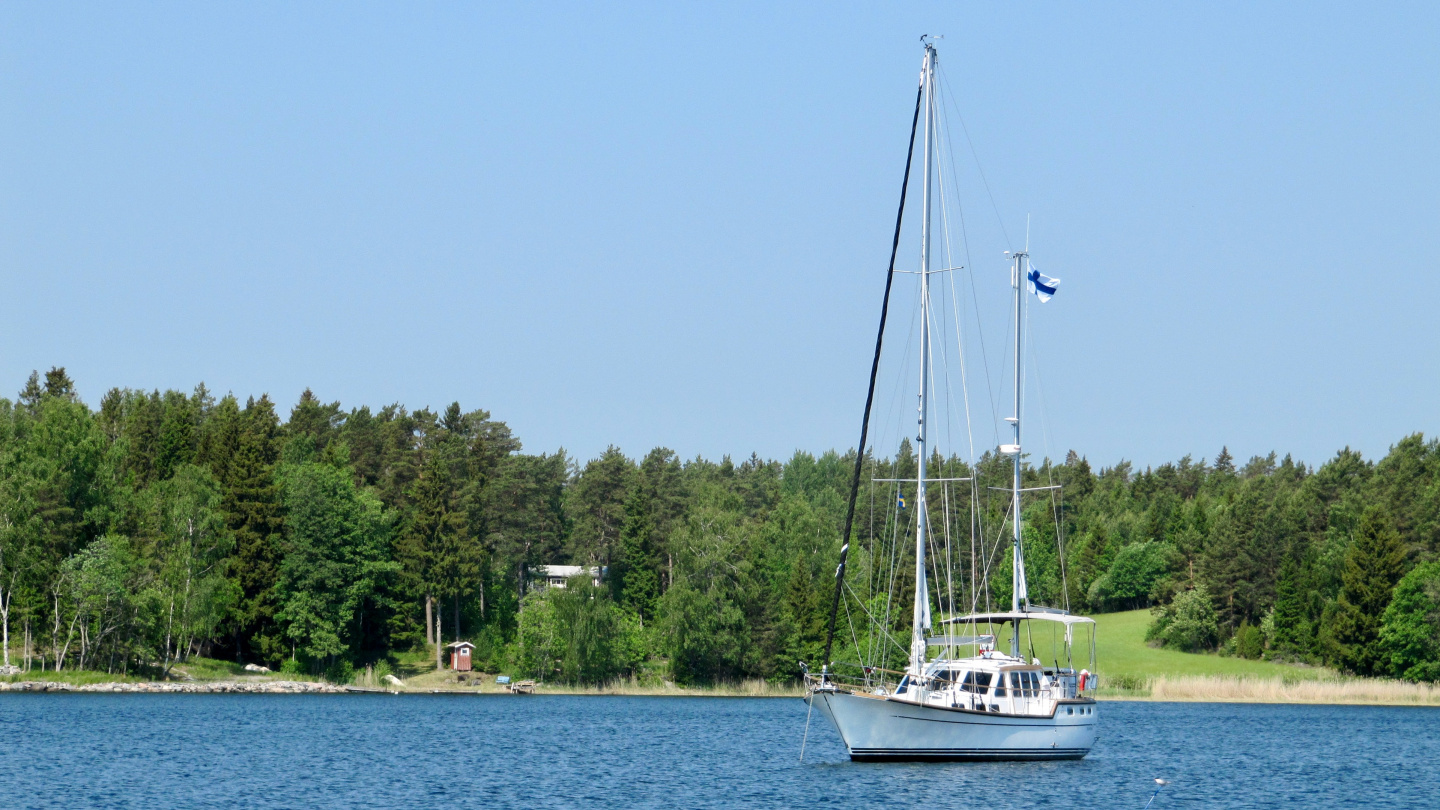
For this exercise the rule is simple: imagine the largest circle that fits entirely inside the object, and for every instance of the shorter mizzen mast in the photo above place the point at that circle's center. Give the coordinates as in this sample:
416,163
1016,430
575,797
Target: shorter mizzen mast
1019,593
1043,287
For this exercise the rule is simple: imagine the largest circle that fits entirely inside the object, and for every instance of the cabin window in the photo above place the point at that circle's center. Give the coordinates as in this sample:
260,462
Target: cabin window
1000,685
1069,710
976,682
1024,684
904,684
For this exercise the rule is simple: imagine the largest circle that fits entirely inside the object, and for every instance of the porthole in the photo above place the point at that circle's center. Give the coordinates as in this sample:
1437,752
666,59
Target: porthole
1069,711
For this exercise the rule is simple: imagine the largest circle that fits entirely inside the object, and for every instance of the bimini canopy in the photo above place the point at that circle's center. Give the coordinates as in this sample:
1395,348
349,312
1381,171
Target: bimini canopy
1045,615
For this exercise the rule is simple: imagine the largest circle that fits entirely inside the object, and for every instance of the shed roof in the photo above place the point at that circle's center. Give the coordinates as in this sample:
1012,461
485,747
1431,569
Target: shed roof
458,644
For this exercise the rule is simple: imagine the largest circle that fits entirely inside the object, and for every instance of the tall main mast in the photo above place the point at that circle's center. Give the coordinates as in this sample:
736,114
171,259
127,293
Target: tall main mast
921,621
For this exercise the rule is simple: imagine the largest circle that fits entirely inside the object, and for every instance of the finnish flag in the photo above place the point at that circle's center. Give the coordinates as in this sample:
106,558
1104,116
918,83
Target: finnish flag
1043,286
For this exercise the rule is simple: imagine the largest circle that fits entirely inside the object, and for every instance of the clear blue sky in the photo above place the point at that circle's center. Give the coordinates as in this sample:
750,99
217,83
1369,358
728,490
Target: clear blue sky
668,224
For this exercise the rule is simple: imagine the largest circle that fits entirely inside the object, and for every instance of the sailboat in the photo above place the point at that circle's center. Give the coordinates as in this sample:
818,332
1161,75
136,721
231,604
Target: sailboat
1000,702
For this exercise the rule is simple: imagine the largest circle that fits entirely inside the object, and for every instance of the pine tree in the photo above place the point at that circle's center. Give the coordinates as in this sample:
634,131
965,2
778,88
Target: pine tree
59,384
1374,563
663,479
597,505
440,557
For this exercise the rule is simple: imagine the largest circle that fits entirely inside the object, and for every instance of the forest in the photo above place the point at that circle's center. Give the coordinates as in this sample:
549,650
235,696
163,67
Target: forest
161,526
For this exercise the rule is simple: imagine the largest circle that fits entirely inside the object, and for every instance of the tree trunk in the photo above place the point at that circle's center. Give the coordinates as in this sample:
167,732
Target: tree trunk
429,622
55,631
5,621
457,617
439,662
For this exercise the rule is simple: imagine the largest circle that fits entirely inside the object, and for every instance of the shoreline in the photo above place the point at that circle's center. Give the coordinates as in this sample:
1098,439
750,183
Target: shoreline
183,687
1160,689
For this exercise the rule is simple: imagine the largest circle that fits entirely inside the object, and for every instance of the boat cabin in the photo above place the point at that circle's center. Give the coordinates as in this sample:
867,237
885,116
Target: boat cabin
992,681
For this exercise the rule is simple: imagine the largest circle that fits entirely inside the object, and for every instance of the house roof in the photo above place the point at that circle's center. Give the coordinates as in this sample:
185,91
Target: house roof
459,644
565,571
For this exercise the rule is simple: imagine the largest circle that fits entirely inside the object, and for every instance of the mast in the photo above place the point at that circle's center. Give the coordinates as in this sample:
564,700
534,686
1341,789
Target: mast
921,621
1019,595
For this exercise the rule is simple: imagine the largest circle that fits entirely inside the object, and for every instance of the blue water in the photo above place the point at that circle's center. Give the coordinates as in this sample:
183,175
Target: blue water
267,751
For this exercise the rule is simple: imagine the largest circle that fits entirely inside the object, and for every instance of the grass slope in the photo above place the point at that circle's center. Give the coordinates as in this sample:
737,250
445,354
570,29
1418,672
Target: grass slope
1121,650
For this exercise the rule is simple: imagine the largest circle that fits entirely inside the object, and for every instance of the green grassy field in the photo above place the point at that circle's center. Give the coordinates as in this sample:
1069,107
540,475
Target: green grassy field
1121,651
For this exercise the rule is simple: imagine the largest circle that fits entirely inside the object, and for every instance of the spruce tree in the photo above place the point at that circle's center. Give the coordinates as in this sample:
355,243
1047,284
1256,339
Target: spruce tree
253,511
1373,565
638,575
1292,631
177,434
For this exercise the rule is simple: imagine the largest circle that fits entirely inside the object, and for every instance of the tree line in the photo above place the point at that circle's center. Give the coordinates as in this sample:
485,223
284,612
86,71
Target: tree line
162,526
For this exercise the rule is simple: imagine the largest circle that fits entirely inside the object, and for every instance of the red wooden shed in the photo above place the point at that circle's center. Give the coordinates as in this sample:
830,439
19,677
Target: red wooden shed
460,655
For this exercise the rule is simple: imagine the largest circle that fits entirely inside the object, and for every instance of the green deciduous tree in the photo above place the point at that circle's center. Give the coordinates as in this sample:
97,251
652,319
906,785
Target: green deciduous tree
332,589
577,634
1189,623
186,543
703,617
1133,576
1410,629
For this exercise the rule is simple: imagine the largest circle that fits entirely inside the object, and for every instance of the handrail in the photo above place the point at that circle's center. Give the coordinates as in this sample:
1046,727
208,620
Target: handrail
934,683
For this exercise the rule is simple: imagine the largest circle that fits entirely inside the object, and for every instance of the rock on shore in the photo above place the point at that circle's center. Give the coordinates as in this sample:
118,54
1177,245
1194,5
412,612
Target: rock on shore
216,687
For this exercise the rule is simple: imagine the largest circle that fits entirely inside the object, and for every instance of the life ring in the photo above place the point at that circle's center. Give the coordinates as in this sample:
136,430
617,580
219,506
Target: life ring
1084,676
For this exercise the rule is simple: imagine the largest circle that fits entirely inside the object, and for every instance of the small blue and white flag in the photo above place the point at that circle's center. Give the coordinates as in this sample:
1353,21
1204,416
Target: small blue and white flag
1043,286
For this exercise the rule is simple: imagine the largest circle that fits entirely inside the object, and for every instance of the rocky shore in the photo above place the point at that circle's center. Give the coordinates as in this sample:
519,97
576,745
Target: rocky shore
202,688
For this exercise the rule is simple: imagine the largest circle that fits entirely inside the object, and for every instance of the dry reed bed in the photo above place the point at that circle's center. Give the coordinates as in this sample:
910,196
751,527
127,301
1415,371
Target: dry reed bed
1239,689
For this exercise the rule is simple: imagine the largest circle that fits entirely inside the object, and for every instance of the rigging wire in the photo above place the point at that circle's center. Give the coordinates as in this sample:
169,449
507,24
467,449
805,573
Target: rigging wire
1057,512
970,272
981,169
976,525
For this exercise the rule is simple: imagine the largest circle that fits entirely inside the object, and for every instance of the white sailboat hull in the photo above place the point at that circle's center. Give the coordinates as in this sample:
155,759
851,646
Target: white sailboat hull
880,728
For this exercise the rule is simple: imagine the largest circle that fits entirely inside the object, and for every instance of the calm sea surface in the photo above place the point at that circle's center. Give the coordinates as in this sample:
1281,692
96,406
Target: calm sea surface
263,751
